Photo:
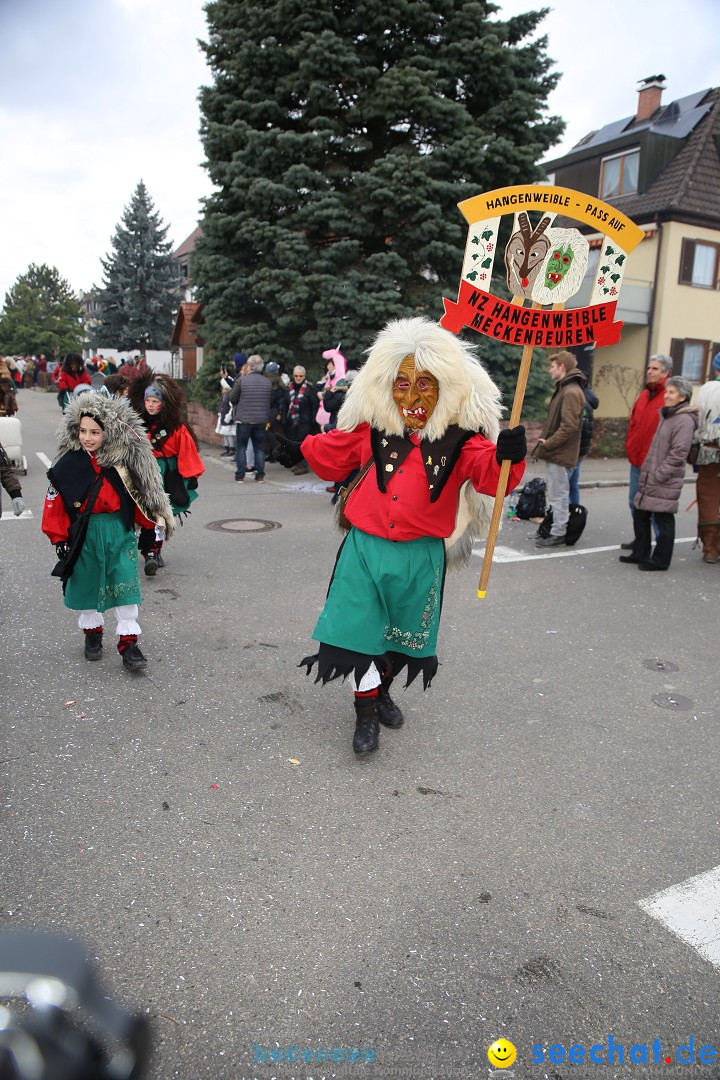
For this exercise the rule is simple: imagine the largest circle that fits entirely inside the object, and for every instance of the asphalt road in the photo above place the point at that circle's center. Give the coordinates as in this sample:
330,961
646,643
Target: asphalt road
248,884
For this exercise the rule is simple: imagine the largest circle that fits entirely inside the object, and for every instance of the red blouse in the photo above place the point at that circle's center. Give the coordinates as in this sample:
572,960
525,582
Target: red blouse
404,510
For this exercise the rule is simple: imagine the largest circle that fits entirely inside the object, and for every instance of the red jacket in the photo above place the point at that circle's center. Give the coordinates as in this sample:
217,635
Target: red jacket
67,381
404,510
644,421
180,444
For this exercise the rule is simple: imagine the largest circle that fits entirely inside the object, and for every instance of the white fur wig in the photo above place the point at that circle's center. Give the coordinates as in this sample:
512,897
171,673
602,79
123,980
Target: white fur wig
467,395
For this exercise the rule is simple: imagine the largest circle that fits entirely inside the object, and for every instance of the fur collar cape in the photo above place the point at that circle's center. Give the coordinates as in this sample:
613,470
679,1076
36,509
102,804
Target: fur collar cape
467,397
125,448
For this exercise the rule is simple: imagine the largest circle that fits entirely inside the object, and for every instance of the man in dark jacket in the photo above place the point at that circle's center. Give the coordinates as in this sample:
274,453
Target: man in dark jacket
253,391
299,411
586,433
559,444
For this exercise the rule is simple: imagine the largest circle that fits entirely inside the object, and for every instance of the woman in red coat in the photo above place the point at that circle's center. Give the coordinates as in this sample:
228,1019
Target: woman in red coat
72,374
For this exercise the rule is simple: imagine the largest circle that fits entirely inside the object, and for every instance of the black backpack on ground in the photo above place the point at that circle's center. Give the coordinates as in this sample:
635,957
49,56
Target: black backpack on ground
531,500
576,524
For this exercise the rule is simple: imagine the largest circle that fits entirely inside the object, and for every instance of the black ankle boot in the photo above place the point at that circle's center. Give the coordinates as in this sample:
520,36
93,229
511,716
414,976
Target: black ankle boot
132,658
367,729
388,713
93,645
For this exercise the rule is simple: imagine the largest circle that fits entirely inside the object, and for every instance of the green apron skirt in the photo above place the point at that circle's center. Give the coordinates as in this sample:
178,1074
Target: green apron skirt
384,603
106,573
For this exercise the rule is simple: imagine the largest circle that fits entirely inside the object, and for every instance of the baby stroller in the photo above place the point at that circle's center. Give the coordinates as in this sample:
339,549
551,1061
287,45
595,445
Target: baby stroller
11,439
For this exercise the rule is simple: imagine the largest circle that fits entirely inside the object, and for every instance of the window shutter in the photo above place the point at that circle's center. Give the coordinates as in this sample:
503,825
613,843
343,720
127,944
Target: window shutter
687,257
677,351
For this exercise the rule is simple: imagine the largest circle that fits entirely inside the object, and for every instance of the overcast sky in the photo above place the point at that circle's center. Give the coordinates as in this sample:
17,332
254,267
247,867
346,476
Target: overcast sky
99,94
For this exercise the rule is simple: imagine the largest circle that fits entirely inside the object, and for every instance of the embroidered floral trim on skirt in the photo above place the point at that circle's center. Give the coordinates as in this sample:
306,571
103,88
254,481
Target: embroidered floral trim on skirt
384,603
106,573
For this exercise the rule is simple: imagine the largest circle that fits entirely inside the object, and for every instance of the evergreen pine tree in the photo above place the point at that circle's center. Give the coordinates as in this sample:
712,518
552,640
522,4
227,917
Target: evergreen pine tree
340,138
141,289
41,315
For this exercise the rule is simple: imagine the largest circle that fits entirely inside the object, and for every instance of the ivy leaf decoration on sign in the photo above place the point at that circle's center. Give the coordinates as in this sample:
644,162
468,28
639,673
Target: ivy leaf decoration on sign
472,275
487,234
486,264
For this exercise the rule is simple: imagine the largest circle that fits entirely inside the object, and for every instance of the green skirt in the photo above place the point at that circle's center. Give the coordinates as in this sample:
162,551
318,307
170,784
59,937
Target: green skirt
385,596
106,573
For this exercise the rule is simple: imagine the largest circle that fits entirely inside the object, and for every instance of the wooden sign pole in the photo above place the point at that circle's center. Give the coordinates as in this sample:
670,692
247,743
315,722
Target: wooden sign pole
504,472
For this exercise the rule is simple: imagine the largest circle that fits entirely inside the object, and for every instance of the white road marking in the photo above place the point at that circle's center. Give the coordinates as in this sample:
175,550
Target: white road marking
7,515
507,554
691,910
45,460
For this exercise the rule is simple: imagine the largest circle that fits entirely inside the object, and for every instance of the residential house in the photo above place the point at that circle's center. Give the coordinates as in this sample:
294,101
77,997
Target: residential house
661,168
182,256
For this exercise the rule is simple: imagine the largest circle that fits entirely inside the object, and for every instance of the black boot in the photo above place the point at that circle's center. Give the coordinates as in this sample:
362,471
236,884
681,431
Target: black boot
93,645
151,564
388,713
132,658
367,729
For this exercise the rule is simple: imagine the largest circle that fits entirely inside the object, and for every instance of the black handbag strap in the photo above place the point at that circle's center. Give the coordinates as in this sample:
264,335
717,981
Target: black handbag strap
92,497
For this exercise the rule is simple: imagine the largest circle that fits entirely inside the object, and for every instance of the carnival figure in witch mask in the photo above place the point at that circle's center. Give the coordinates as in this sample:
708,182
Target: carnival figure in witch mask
421,422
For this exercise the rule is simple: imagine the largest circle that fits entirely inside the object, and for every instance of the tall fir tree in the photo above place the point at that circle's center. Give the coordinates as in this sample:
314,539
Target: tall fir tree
340,137
141,288
41,315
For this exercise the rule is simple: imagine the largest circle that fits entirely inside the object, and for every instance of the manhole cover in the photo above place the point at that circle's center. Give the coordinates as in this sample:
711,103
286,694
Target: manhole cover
243,525
672,701
661,665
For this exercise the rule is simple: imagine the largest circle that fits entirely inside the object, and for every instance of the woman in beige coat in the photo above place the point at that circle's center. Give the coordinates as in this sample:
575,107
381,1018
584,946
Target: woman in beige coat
662,475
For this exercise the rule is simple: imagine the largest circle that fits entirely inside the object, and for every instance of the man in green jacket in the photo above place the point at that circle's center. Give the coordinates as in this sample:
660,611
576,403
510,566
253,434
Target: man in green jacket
559,444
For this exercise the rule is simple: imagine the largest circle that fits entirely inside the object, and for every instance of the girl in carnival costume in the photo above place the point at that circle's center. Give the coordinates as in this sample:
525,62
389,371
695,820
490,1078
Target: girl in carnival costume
423,416
159,401
103,483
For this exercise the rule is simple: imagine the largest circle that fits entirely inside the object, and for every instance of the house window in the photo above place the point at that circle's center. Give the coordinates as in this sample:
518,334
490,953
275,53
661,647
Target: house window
691,357
699,264
619,175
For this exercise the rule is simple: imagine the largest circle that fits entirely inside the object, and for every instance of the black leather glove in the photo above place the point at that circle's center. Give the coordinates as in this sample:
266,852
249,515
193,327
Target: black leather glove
192,483
285,451
62,549
511,445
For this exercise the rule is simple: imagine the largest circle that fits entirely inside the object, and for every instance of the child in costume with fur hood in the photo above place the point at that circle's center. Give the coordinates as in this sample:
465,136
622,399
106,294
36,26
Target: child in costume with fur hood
423,416
103,483
159,400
